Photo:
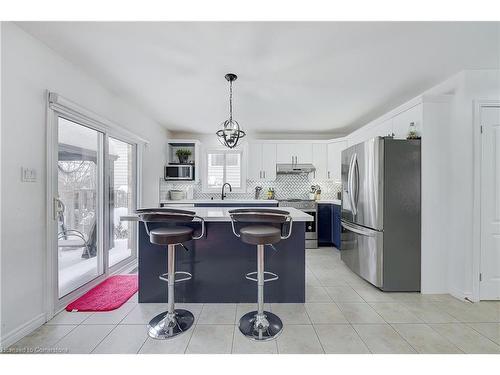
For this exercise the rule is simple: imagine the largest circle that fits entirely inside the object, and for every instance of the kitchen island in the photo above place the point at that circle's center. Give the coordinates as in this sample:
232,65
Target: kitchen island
219,262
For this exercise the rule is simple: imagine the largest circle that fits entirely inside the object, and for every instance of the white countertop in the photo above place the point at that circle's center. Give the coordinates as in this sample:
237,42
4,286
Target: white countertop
211,214
329,201
216,201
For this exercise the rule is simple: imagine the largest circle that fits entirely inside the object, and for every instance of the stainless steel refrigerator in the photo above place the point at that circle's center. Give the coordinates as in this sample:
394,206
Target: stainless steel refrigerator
380,238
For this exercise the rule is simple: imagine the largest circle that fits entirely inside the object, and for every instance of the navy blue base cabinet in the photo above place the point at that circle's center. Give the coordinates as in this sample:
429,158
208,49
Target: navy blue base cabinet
329,225
325,224
337,229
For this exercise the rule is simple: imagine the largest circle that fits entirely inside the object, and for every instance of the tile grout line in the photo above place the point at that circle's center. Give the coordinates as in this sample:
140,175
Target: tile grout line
140,348
314,329
471,327
71,330
195,324
352,326
99,343
234,328
432,330
363,341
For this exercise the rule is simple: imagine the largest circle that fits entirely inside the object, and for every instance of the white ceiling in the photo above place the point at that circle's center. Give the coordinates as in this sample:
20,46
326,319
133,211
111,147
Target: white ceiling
296,77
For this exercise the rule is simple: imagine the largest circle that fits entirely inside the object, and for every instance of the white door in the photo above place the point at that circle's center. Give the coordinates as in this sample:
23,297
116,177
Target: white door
268,156
255,161
490,204
320,160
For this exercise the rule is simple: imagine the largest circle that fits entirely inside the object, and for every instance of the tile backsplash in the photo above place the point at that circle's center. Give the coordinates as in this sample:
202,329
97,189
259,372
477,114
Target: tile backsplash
285,187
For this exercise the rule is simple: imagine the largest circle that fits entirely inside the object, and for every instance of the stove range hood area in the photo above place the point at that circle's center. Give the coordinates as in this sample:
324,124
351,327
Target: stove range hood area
294,168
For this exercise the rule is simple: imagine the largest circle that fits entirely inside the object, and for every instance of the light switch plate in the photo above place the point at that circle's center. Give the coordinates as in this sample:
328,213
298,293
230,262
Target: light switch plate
28,174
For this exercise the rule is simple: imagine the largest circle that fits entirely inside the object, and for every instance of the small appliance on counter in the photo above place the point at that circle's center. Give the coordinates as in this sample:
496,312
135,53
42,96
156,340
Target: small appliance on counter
177,195
270,193
258,189
315,193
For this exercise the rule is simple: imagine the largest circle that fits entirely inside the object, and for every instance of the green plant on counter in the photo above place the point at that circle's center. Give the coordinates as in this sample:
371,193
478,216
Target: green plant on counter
183,155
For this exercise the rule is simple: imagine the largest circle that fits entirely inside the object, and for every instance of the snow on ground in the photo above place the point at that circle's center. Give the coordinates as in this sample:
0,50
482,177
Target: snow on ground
75,271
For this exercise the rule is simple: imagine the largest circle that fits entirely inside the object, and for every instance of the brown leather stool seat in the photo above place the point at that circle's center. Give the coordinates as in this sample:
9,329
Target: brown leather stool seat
170,235
260,234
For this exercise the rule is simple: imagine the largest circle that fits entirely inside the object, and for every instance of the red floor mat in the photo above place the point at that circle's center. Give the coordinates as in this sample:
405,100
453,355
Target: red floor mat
108,295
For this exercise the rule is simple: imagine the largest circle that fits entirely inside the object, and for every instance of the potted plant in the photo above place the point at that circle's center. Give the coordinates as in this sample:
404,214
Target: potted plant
183,155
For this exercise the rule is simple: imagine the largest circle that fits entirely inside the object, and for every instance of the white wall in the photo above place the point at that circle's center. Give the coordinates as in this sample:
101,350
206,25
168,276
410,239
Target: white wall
29,68
467,87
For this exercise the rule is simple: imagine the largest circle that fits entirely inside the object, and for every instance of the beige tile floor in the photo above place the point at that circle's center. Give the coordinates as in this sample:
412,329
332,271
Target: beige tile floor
342,314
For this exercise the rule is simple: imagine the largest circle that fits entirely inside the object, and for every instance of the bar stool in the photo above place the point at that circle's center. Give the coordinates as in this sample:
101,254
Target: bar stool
174,321
265,227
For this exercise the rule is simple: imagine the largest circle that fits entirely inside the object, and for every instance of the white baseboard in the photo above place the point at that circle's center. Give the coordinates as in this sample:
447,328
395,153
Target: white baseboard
17,334
462,295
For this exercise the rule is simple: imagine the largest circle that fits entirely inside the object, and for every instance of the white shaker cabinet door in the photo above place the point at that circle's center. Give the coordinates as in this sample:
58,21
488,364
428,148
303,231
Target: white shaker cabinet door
294,153
334,159
285,153
304,153
255,161
320,160
268,161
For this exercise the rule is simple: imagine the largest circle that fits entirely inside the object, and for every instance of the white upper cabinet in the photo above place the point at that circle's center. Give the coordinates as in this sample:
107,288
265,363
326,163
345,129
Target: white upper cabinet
401,122
262,161
320,160
334,159
294,153
254,171
269,161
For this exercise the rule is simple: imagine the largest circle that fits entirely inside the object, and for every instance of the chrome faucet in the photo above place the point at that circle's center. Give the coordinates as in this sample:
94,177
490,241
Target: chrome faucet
223,195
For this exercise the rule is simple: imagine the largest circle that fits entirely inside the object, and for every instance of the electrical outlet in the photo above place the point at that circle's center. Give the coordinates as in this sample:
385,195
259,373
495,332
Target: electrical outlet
28,174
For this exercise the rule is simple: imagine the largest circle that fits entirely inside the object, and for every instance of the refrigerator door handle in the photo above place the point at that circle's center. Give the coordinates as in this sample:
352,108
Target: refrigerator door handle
355,194
350,185
358,230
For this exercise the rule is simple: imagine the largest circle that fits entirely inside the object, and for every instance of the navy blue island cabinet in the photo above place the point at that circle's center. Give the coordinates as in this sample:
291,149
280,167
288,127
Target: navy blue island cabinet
329,224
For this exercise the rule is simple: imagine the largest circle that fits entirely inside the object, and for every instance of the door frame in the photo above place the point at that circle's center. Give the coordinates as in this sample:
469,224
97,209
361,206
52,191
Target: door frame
477,240
58,106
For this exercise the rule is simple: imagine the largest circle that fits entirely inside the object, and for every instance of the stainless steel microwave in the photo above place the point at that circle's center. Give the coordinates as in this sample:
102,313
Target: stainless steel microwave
179,172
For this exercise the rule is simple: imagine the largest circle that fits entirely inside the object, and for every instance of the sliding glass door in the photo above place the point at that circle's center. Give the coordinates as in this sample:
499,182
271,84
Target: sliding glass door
79,205
122,201
96,185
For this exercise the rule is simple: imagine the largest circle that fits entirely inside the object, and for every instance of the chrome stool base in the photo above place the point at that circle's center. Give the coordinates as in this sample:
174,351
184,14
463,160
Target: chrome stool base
248,327
161,328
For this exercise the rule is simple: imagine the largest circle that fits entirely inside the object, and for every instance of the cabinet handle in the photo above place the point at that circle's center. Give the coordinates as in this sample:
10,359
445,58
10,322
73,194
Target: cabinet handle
264,174
328,174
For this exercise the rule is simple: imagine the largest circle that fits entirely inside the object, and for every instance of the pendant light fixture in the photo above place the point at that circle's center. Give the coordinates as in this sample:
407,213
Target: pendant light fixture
230,133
